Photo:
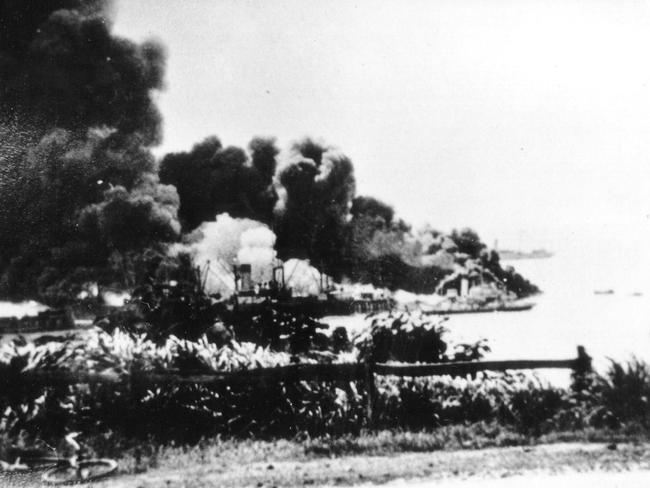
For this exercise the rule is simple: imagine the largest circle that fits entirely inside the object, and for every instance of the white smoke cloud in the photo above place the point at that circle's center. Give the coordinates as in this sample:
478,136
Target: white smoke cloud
301,277
257,250
216,247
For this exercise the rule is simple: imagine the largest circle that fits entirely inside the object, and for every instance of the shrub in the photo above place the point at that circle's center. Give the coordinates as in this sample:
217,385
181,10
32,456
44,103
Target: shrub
412,337
519,400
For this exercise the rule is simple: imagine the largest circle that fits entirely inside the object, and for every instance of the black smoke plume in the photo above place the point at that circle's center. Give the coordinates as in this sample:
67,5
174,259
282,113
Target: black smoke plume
77,120
211,180
60,66
317,216
82,198
319,186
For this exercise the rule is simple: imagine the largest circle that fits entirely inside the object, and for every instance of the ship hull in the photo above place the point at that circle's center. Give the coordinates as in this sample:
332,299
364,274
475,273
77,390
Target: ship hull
503,308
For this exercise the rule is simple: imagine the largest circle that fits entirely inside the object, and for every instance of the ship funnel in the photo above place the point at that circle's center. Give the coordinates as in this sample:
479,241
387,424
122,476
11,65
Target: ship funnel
243,277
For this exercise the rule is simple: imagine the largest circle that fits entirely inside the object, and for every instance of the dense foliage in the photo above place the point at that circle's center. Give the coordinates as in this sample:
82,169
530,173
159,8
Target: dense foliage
124,408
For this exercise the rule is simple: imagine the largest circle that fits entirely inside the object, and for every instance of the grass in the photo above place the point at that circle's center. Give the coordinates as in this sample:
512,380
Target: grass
371,458
478,436
480,449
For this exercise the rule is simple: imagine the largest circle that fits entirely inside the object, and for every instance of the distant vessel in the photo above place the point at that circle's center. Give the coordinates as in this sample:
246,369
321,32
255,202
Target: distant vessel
508,254
466,306
604,292
503,308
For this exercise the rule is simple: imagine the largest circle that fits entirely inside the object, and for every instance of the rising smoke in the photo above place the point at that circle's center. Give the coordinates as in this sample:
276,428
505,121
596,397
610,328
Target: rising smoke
211,179
62,67
215,247
77,119
302,278
82,198
318,187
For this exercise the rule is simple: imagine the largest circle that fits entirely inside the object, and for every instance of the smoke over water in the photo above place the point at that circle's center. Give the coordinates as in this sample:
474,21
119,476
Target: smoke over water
82,198
257,250
217,246
312,214
77,121
301,277
60,66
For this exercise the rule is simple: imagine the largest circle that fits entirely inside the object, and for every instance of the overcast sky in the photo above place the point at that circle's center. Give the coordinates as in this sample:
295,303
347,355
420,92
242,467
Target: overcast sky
519,119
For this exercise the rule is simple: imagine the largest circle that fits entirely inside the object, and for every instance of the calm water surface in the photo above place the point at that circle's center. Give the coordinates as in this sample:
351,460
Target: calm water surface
568,313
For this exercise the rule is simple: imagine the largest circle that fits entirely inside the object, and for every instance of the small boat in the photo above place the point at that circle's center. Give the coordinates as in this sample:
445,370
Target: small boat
604,292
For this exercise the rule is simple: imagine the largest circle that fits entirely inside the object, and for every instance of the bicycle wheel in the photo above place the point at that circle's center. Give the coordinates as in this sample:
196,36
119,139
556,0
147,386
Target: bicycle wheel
84,471
41,463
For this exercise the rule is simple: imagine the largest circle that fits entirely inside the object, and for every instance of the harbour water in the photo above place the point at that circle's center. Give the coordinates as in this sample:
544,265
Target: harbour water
568,313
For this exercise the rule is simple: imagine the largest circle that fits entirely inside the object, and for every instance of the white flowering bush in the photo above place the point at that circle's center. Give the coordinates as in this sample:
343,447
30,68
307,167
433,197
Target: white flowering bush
119,352
167,410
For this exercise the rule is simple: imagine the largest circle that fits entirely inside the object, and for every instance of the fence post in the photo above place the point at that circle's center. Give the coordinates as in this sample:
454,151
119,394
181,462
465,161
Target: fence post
135,388
583,363
371,394
581,370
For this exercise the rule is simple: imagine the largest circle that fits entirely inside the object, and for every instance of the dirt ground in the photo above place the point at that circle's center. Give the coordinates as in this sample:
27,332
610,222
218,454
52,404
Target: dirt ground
595,479
578,465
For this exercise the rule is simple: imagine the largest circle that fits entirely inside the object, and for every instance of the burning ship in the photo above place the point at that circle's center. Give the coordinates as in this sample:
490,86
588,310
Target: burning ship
239,268
473,289
330,299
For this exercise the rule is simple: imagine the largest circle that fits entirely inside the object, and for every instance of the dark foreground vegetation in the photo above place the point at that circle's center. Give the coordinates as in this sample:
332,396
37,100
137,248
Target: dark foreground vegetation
328,417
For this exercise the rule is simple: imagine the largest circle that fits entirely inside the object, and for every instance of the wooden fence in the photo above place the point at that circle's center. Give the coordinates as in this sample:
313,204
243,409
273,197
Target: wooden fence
296,372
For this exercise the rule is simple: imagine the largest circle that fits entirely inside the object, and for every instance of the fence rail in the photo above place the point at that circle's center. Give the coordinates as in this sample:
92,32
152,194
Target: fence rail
470,368
295,372
364,372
